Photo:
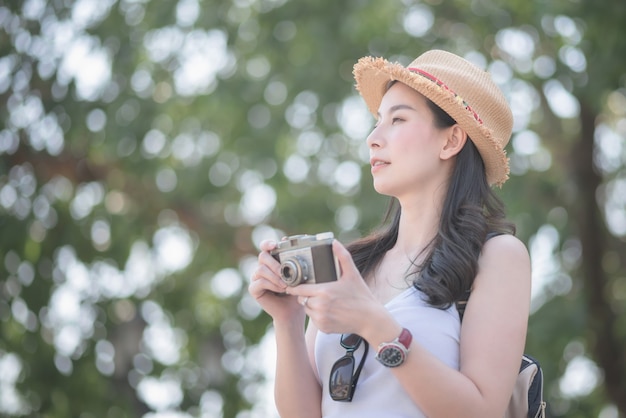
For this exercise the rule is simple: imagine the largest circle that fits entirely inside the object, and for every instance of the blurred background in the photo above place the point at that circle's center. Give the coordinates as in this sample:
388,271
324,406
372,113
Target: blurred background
147,147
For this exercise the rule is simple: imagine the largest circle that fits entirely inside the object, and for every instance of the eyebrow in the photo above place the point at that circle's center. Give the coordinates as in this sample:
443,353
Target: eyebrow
397,107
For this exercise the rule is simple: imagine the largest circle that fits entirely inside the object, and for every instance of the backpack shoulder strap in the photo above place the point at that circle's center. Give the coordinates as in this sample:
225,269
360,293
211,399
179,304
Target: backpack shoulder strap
462,303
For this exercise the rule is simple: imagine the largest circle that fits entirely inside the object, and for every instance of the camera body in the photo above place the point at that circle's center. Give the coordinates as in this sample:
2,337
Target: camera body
307,259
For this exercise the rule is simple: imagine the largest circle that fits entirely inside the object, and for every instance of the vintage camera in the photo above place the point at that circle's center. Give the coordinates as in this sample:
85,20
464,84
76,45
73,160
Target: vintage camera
307,259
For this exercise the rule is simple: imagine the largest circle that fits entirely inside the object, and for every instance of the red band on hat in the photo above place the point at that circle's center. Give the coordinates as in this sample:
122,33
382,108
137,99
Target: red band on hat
443,87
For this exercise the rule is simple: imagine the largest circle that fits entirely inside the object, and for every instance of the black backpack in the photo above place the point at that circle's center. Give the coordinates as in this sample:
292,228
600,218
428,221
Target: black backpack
527,399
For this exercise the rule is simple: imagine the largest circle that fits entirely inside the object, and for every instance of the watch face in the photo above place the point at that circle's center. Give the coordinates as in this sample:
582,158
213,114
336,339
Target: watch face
391,356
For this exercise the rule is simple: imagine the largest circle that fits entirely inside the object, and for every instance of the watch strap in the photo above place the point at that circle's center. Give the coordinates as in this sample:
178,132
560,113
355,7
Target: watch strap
405,338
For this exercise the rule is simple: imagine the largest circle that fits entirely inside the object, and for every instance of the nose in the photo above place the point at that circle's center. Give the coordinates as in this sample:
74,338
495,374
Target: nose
374,139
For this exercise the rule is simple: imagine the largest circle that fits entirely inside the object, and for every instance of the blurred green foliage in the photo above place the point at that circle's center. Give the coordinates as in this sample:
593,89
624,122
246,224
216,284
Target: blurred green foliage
146,147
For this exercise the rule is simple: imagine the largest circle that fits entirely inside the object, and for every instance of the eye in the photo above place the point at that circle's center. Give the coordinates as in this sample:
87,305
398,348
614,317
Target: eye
394,120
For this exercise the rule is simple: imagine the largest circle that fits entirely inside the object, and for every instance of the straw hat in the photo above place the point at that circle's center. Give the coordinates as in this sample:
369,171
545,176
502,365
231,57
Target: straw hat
464,91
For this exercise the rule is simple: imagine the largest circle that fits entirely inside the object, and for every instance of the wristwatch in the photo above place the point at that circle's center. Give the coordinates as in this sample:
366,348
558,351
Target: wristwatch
393,354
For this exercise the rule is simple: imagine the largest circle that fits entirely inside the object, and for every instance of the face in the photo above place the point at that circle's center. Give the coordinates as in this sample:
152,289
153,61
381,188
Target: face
405,145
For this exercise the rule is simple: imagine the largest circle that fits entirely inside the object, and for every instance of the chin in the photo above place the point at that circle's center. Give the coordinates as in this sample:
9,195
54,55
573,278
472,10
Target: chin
382,190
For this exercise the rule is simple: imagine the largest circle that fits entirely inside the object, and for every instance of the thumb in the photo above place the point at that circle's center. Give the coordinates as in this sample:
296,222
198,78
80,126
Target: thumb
346,263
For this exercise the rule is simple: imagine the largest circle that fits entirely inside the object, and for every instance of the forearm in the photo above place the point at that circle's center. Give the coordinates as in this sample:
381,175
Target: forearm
442,391
297,391
437,388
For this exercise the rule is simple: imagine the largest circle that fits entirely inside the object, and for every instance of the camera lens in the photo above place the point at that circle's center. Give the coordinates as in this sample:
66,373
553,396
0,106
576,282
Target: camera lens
293,272
289,271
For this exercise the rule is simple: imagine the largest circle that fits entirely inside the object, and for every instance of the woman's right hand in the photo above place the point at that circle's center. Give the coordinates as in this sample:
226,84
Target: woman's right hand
268,288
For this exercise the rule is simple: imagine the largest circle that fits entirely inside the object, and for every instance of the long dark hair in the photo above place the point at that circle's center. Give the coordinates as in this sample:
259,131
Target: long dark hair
471,213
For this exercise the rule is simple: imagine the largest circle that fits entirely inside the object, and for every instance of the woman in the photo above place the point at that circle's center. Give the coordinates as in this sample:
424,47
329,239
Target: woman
437,147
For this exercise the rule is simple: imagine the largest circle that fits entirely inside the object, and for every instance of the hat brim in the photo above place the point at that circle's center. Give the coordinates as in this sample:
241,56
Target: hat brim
372,76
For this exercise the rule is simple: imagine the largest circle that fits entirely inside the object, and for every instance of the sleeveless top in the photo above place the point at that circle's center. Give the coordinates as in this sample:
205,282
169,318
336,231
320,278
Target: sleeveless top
378,393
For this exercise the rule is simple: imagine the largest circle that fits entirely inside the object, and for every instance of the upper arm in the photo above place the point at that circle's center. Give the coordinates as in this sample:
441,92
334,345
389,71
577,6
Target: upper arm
496,318
310,336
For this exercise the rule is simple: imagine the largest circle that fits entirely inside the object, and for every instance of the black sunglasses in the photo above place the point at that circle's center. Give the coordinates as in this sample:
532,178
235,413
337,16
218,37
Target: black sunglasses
343,378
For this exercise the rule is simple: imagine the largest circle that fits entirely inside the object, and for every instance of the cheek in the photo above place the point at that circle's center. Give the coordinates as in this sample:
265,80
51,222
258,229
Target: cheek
415,148
420,159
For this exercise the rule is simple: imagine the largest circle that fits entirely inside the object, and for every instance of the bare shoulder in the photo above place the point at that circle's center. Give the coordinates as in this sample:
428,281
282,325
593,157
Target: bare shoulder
506,243
504,249
504,258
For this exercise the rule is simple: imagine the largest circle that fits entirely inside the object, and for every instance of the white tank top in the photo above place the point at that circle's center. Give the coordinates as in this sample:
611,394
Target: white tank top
378,393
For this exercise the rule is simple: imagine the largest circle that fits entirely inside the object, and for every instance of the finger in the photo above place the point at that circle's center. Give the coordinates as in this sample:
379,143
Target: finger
267,260
296,291
346,263
267,245
303,291
261,285
264,272
304,301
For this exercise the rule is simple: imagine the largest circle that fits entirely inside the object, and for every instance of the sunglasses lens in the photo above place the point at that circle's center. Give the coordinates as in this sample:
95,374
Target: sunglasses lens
350,341
341,379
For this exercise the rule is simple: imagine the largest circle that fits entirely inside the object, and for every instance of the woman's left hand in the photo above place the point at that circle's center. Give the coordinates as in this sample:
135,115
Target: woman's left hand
342,306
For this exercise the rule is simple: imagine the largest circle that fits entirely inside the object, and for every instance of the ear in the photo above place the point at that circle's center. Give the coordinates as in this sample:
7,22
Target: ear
454,142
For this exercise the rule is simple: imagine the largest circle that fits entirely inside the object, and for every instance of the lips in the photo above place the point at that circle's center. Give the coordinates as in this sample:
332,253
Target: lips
375,162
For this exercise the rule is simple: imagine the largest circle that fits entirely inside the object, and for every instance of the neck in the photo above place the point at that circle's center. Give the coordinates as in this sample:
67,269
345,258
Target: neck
419,223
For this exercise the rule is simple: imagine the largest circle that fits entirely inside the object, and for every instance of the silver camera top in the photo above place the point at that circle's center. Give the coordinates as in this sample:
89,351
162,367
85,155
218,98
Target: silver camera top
304,240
